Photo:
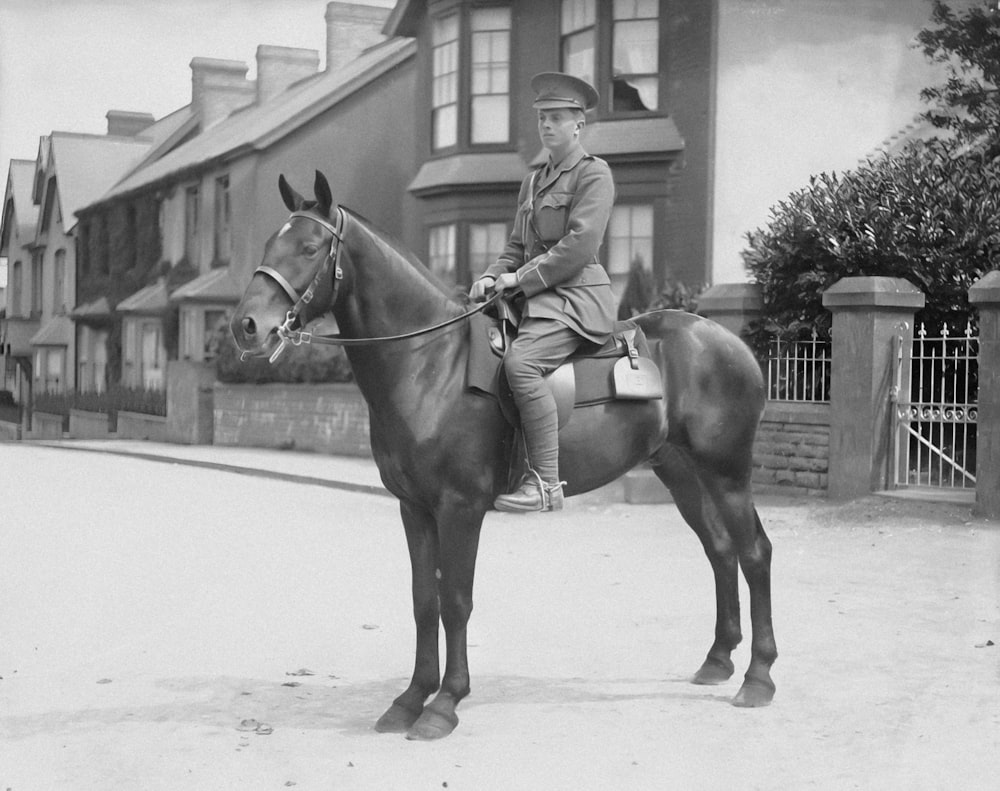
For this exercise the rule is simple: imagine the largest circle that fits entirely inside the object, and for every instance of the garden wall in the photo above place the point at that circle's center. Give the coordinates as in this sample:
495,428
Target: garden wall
792,451
136,425
329,418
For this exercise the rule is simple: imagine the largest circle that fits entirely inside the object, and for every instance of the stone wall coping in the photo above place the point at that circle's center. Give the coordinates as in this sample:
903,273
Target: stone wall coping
870,292
807,413
731,296
986,290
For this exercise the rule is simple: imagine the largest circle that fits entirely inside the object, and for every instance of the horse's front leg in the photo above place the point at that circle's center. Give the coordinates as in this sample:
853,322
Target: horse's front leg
459,528
422,541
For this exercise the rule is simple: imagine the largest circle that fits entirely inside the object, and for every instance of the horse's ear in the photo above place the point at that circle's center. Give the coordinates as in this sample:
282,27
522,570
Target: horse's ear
291,198
324,197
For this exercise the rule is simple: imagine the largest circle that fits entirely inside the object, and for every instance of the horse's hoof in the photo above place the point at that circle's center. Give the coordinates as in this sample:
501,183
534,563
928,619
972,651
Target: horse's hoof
396,720
432,725
713,671
754,694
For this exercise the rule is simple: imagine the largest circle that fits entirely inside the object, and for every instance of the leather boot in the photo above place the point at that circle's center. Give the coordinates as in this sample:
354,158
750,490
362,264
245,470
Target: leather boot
532,495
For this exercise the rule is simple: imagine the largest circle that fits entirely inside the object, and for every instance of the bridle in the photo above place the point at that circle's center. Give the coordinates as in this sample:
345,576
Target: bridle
297,337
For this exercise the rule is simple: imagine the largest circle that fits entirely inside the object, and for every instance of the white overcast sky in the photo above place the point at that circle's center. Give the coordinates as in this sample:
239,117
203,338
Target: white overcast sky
65,63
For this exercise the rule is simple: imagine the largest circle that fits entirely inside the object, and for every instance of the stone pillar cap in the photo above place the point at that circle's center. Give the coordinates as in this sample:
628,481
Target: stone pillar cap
878,291
986,290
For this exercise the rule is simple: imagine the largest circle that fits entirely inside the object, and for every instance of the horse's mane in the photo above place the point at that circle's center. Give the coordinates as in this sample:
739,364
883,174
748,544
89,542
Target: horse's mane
451,294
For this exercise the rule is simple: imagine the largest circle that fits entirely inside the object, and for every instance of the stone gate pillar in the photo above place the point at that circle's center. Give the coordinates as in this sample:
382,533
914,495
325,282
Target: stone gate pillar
867,313
985,295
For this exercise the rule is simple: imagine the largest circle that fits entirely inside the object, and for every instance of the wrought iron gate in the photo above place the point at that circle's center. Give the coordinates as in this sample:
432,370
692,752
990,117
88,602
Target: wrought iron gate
935,395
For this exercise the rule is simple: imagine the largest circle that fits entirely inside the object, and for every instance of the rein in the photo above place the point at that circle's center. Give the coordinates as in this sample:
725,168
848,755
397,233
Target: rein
287,335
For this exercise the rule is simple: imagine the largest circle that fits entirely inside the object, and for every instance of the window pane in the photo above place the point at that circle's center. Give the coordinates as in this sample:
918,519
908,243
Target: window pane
444,29
578,55
635,62
497,18
444,82
441,252
490,119
486,242
635,9
445,127
630,235
577,14
635,47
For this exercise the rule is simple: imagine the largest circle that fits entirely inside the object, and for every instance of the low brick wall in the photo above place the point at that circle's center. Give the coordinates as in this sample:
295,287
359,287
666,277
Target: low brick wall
9,431
792,452
45,425
329,418
136,425
88,425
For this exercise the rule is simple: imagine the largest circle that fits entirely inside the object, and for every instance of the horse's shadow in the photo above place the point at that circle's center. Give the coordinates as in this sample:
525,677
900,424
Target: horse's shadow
330,704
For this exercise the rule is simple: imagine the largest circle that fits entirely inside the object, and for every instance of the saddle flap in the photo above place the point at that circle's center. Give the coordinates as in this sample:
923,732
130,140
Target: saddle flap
637,378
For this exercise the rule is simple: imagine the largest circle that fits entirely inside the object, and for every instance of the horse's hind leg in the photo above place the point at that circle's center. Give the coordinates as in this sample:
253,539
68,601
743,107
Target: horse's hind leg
422,541
676,469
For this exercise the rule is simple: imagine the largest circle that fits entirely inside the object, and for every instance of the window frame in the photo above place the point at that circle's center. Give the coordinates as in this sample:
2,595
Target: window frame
603,65
222,240
464,95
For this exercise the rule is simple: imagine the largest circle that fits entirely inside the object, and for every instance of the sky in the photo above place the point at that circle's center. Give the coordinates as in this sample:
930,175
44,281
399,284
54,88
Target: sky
65,63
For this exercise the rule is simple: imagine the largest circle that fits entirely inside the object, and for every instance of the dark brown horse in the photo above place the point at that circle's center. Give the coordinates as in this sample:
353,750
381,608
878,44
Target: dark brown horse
443,451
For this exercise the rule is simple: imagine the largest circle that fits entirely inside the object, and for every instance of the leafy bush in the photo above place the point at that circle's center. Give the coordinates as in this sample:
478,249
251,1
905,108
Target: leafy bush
297,364
927,214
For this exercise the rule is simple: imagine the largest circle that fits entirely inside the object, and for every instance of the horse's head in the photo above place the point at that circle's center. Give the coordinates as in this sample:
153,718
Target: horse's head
295,281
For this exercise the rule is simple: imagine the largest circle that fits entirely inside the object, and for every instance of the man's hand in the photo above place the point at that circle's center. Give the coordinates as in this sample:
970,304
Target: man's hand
506,282
478,291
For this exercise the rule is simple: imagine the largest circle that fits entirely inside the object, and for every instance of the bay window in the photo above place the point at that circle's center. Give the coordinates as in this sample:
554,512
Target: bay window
470,77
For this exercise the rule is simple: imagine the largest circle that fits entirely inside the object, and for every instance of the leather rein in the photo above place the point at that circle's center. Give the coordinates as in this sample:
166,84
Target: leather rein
287,335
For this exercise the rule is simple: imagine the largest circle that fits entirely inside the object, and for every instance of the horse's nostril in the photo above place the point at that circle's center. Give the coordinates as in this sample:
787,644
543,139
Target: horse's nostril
249,326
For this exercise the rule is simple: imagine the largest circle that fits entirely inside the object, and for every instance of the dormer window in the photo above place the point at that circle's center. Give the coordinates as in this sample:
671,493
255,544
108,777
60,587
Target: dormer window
470,77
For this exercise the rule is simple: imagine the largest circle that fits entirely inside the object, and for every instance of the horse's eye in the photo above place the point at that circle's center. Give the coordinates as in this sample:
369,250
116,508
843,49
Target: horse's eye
310,249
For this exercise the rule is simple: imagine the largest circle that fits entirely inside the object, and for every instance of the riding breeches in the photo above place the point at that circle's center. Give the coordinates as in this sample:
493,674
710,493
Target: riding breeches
540,347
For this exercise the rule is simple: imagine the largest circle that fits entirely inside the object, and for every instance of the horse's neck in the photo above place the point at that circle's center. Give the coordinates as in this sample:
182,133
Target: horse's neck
388,295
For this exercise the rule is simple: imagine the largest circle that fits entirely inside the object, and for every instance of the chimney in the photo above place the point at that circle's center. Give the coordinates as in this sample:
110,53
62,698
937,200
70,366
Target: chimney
218,88
350,29
279,67
123,123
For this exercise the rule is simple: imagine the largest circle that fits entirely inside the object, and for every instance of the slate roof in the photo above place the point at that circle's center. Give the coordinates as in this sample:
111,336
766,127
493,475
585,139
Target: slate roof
259,126
149,300
21,177
216,285
57,331
86,166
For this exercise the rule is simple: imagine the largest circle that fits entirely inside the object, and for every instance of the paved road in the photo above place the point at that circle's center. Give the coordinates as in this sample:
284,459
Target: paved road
148,610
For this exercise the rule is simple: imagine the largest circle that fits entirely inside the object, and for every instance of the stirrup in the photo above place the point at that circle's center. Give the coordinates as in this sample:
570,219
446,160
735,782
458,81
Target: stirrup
548,490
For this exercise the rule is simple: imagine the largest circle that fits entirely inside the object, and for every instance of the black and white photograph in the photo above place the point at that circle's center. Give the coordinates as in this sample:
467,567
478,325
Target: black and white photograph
499,395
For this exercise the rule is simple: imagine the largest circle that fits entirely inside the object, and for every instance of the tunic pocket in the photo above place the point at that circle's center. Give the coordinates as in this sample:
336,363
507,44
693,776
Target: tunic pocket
551,215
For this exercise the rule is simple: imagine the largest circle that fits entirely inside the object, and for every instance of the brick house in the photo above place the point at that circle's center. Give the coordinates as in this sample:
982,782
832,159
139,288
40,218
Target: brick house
216,195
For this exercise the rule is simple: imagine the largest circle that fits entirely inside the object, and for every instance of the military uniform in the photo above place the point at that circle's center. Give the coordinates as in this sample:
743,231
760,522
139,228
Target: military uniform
561,218
563,211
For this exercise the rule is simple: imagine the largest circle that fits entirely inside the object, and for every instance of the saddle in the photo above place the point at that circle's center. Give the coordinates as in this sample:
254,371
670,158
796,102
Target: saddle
620,369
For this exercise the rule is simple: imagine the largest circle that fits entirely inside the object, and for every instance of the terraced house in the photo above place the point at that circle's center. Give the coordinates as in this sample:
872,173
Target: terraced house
421,117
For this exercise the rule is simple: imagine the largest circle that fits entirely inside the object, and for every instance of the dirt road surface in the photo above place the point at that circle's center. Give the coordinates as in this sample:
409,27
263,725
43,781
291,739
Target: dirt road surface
165,627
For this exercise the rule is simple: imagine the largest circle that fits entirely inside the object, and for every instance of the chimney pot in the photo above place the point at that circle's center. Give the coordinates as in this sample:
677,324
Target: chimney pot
219,88
350,29
125,123
280,67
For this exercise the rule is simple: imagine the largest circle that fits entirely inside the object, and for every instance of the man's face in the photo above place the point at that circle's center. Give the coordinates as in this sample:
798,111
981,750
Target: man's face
556,128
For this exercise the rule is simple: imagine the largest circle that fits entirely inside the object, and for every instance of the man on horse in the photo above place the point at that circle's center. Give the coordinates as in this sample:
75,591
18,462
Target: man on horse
551,260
